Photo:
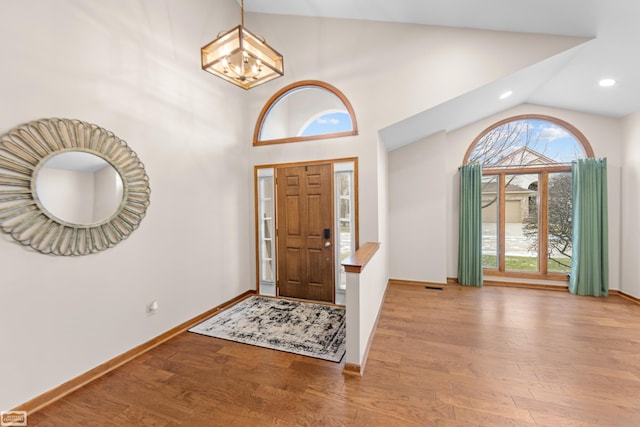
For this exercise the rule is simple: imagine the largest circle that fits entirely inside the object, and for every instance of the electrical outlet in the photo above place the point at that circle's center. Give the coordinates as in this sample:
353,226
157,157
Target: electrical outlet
152,307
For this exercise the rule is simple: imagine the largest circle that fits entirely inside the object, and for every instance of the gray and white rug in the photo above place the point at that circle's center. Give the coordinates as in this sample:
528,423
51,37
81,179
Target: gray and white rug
308,329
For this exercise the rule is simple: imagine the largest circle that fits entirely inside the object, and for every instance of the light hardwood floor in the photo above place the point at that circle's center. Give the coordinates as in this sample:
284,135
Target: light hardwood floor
490,356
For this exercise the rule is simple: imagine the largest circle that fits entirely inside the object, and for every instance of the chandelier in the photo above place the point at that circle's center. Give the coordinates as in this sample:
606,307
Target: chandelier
241,57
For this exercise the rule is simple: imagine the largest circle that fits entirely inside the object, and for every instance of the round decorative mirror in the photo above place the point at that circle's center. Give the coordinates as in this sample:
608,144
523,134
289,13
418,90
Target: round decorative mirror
69,188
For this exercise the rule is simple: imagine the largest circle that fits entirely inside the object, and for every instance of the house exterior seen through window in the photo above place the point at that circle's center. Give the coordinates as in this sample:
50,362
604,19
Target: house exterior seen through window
526,195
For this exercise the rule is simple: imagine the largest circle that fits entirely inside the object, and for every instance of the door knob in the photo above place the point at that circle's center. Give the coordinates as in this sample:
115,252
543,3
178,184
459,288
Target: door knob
327,244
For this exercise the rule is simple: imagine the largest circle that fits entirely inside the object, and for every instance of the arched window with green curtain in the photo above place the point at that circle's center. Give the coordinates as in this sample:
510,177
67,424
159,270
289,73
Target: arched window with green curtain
526,196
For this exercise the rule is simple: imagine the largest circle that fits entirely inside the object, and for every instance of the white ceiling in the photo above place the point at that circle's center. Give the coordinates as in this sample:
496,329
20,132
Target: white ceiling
568,81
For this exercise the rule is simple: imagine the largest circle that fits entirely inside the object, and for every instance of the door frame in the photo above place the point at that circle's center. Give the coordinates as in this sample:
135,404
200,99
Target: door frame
336,246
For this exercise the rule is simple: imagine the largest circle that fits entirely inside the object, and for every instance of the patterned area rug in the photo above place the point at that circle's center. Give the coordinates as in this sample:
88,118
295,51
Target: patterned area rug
308,329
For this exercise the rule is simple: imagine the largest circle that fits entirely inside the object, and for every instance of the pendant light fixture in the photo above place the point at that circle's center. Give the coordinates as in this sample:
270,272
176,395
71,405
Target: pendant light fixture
241,57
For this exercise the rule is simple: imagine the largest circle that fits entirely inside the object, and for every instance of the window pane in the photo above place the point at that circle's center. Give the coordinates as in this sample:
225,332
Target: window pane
526,142
490,205
325,123
521,222
266,229
306,110
560,212
344,217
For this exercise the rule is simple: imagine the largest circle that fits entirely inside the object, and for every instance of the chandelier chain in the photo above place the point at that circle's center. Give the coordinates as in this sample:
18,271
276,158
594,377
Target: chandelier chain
242,13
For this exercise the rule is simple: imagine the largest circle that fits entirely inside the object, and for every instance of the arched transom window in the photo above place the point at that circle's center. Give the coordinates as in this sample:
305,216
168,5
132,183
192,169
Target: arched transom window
527,195
304,111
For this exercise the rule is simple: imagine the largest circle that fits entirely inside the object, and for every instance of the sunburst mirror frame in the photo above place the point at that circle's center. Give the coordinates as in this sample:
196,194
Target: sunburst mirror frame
23,151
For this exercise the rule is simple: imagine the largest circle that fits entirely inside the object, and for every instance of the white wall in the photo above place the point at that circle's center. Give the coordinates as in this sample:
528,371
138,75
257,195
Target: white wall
630,216
418,211
365,293
132,67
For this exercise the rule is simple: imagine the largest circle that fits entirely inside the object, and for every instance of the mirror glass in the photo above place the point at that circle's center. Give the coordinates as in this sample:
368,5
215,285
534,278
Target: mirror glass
79,188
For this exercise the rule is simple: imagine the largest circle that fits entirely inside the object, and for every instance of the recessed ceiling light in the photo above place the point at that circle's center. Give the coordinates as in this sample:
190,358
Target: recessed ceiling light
506,94
607,82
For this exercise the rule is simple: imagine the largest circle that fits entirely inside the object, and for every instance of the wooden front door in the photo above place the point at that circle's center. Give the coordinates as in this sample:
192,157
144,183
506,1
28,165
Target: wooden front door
305,232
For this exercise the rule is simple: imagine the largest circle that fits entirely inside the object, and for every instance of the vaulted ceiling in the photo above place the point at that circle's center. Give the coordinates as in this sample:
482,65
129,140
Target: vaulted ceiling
569,80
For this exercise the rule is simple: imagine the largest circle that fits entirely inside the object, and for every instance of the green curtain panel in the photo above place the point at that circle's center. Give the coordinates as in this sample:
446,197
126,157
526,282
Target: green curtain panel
470,235
590,259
